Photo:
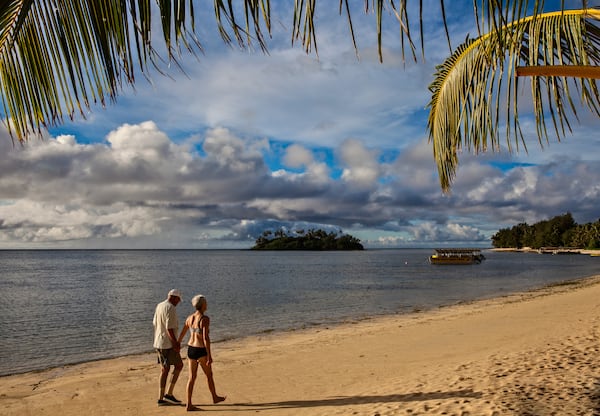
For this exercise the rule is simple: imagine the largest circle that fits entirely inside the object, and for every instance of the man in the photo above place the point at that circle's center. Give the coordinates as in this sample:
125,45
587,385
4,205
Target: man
166,345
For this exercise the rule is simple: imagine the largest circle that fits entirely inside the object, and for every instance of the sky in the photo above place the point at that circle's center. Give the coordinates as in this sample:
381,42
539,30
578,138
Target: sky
245,142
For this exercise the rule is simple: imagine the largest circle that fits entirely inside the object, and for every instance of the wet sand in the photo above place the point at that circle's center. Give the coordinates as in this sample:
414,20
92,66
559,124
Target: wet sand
534,353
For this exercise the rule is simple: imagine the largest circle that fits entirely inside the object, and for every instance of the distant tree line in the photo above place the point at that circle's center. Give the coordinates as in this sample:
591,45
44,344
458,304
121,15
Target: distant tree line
560,231
309,240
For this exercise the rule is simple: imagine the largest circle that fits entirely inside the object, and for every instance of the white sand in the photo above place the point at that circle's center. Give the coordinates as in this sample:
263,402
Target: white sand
527,354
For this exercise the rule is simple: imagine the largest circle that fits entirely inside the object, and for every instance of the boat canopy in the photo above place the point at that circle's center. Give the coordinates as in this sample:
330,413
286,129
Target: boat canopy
450,251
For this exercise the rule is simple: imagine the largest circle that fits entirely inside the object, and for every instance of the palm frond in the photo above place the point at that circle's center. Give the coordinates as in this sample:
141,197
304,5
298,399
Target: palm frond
58,57
468,93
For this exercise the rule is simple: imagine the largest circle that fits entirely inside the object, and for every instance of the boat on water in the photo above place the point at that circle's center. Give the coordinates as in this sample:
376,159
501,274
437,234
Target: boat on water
456,256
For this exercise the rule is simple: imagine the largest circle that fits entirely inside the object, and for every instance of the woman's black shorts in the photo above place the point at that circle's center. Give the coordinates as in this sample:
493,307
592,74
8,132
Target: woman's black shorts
195,353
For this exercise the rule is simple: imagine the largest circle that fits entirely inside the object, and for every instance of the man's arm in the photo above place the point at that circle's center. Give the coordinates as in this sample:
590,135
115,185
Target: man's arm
173,338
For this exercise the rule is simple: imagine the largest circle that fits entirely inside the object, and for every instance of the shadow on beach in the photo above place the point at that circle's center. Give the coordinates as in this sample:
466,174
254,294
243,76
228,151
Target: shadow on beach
356,400
595,398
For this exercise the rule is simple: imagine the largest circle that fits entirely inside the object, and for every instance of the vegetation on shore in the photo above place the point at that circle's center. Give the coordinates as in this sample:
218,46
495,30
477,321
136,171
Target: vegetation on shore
310,240
560,231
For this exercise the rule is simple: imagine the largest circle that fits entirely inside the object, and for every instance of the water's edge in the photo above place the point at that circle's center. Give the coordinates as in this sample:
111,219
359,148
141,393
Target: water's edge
548,289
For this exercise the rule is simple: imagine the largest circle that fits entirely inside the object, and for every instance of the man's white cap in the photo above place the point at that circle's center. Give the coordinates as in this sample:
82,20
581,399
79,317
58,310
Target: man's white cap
175,292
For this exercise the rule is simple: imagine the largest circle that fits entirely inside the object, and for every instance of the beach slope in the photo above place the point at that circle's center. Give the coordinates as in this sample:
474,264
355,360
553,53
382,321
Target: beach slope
533,353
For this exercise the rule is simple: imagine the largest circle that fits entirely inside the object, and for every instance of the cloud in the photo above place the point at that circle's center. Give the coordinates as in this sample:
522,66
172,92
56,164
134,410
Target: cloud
298,156
361,164
451,232
244,142
287,95
140,188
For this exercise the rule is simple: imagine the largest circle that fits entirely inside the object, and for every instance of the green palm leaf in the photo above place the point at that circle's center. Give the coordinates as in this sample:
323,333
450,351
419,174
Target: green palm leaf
58,57
470,104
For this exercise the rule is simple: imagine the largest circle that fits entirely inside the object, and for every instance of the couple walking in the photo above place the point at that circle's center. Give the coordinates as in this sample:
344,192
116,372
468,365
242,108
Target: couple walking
168,346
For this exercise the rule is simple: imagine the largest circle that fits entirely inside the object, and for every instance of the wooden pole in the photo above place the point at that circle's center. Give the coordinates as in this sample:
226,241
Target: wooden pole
559,71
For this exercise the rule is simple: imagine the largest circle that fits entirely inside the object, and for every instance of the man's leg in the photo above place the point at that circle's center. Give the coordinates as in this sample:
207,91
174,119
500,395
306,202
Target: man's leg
174,377
162,383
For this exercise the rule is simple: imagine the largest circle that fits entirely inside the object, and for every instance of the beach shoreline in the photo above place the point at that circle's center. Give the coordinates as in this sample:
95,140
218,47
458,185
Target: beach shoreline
526,353
584,251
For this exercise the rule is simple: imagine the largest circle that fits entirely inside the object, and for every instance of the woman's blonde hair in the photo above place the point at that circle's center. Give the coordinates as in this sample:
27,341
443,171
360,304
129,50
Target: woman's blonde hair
198,301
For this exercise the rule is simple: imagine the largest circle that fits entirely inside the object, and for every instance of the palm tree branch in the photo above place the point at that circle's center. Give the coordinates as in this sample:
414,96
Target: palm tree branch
467,92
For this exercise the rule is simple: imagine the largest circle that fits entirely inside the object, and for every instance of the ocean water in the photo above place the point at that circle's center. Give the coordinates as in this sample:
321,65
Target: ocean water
61,307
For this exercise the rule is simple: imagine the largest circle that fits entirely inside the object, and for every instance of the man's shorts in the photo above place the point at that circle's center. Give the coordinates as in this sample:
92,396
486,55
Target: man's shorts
168,357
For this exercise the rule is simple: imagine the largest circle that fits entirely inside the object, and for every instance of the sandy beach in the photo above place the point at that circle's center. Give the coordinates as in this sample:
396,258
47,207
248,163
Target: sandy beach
534,353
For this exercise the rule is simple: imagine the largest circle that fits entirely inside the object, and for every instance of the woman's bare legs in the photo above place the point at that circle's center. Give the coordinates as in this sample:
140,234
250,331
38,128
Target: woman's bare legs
210,380
190,384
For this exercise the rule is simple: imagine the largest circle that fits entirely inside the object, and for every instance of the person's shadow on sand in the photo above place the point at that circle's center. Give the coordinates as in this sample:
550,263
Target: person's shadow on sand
354,400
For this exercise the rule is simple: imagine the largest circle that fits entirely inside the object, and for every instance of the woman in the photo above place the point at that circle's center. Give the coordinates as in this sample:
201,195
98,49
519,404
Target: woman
199,349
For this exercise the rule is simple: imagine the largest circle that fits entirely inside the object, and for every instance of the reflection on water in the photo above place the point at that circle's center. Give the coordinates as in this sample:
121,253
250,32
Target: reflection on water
61,307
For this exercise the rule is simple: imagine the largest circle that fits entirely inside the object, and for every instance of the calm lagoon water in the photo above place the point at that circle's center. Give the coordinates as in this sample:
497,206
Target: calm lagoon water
66,306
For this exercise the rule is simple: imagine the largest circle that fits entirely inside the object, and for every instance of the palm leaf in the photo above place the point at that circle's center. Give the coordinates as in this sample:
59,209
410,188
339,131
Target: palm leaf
58,57
468,93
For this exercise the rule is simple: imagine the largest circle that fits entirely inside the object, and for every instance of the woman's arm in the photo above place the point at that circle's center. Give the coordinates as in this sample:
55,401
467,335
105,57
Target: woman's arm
206,337
183,331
